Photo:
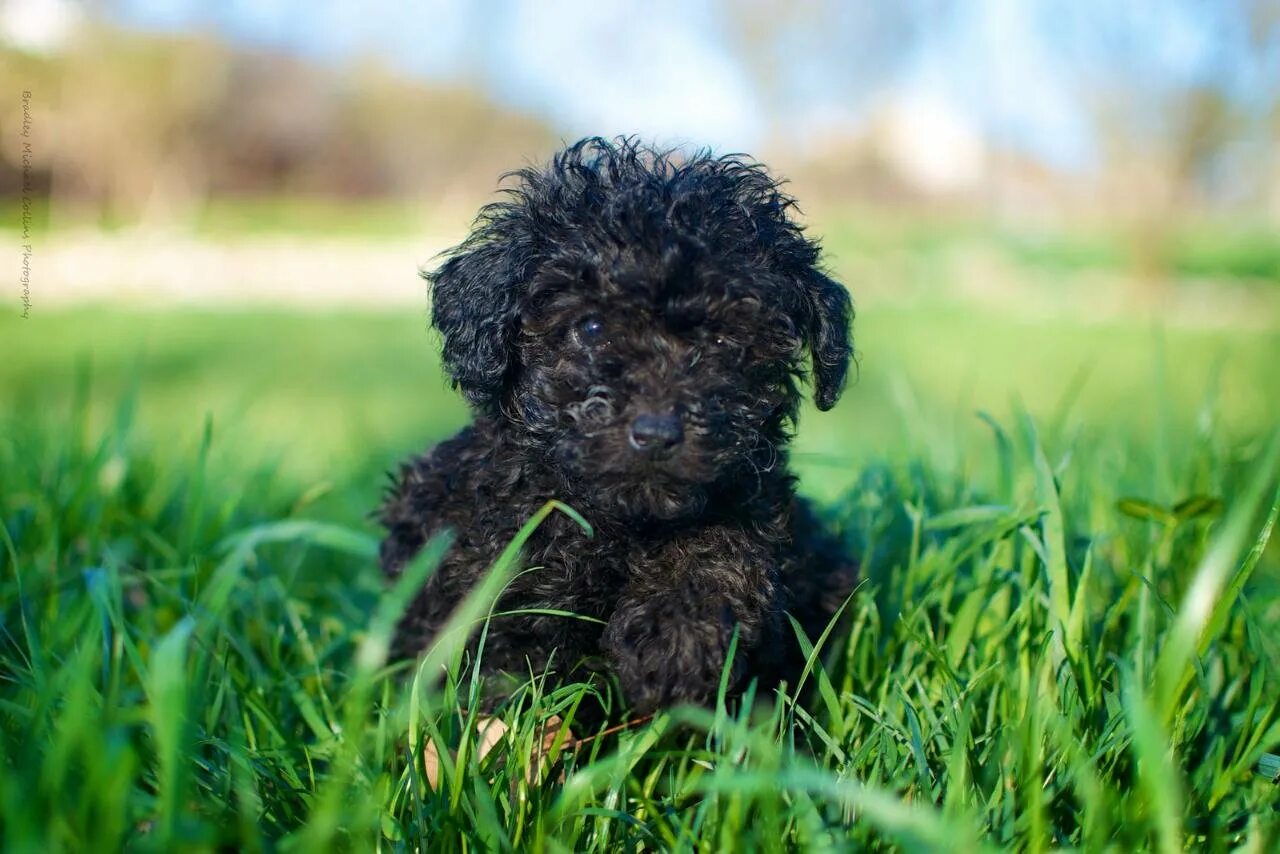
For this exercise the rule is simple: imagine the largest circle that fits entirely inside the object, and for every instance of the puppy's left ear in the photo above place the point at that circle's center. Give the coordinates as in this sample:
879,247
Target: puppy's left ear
829,337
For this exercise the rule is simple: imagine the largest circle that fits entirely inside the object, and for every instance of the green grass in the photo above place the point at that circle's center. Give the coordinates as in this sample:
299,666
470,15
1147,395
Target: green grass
232,217
1214,247
1065,638
304,217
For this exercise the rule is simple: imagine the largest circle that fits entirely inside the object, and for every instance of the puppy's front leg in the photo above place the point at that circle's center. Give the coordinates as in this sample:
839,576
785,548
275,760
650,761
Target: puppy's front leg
669,637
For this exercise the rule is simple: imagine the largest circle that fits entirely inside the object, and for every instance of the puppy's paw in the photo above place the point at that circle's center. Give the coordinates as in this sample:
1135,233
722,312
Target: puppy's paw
666,653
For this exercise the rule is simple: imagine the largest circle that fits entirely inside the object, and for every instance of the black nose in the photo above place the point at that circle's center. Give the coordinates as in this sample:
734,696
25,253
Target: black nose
653,432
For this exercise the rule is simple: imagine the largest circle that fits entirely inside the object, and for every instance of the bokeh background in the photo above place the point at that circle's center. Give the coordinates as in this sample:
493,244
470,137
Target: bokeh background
1067,206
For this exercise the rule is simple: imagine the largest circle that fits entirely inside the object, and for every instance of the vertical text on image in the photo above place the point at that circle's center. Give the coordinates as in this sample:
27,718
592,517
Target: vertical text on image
24,277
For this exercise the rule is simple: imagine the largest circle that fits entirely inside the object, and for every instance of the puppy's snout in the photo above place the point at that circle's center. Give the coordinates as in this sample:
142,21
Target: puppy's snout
656,432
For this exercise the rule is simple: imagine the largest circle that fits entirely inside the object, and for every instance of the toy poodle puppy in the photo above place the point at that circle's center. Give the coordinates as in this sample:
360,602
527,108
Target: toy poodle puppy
631,328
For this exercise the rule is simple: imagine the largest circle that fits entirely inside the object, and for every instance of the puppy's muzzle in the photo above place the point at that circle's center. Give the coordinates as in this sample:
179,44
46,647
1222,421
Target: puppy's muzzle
656,433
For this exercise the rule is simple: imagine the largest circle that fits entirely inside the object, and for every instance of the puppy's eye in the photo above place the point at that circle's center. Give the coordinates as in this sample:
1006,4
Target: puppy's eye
591,331
720,340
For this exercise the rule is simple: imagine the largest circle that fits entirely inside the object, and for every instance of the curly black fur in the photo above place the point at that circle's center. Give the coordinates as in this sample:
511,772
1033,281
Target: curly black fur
629,327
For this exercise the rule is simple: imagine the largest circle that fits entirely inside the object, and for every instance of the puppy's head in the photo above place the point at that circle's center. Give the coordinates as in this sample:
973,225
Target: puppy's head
642,320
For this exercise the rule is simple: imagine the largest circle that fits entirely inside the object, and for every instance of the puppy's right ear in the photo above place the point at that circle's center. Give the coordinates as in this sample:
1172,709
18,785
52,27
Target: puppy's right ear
829,338
475,305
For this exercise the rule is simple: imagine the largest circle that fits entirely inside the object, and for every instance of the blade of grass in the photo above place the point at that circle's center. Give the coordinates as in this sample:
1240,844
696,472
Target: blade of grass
1204,597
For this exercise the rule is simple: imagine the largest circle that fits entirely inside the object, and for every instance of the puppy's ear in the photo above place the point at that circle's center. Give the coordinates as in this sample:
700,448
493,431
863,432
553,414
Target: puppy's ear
475,305
829,337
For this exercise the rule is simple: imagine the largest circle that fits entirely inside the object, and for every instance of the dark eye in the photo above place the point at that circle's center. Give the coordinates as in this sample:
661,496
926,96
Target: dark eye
717,342
591,331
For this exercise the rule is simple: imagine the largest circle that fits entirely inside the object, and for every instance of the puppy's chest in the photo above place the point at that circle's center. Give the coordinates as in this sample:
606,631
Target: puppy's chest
599,566
596,571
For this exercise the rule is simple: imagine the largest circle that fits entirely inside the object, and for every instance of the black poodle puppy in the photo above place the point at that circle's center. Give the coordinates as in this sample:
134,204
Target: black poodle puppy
629,326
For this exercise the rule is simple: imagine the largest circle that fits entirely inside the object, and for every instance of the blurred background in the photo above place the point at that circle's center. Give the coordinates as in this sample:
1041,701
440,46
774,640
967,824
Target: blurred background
1067,206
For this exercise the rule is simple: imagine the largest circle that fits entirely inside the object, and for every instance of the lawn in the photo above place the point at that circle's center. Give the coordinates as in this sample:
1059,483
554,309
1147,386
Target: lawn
1066,637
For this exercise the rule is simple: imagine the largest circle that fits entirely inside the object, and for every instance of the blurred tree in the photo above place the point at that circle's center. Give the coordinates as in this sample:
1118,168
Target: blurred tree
854,47
140,128
446,144
127,115
1182,95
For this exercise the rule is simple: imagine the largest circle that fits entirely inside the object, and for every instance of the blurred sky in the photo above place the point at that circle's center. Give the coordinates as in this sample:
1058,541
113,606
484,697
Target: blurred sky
674,71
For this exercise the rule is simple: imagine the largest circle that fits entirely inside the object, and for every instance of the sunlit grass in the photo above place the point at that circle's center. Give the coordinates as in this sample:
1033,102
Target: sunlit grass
1065,636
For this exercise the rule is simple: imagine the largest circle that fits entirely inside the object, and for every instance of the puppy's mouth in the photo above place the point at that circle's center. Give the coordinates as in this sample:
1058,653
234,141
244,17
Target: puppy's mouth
656,498
610,473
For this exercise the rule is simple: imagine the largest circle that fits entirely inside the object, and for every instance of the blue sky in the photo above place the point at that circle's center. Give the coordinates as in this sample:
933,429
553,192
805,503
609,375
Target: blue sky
1018,71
